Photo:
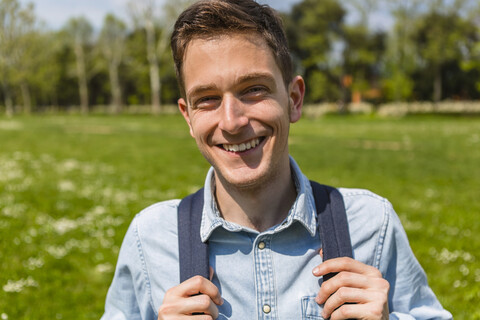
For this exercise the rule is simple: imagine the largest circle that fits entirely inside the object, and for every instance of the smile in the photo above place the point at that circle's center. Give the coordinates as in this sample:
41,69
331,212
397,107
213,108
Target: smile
242,146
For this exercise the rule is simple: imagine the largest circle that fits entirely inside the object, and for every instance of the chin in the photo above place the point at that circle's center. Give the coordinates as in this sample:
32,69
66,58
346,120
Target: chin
247,182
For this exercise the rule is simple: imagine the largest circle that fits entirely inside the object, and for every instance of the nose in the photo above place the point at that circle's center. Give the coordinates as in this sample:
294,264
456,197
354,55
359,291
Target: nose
233,117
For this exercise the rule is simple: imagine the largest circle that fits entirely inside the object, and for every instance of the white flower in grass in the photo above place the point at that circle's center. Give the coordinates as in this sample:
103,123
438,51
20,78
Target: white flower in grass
34,263
69,164
57,251
104,268
477,275
66,186
18,286
464,270
4,316
65,225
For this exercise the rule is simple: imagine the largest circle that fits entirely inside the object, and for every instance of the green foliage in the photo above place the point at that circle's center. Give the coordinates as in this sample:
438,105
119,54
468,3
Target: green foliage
398,87
312,28
442,36
70,185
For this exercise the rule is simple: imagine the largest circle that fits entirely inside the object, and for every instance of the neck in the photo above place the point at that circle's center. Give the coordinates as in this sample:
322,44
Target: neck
258,207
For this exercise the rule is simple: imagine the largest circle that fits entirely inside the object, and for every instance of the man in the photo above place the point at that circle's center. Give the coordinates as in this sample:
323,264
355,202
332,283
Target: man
239,97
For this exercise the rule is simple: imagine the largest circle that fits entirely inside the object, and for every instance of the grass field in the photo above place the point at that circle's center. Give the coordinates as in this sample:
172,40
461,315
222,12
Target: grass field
69,186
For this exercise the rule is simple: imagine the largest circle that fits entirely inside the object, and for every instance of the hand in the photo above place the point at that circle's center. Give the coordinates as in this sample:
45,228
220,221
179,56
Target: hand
195,298
358,291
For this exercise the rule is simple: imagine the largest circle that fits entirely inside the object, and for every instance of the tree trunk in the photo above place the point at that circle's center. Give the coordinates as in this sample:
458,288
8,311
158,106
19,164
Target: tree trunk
153,66
26,97
82,78
8,99
437,85
116,104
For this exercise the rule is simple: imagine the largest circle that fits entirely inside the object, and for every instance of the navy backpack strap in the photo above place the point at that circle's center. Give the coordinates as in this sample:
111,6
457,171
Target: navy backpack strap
193,253
332,223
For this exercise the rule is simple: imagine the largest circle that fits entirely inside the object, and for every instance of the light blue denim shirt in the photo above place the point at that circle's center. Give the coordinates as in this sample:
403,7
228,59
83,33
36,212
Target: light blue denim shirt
273,268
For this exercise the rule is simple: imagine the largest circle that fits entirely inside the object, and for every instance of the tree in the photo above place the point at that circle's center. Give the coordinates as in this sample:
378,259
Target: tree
362,55
472,61
157,26
112,45
15,24
313,27
80,32
442,35
400,57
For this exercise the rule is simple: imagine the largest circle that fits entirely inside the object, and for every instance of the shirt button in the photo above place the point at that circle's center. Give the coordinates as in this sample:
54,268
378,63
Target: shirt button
266,308
261,245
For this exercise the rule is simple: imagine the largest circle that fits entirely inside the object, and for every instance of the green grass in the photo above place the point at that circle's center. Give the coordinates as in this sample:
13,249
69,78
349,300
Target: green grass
70,185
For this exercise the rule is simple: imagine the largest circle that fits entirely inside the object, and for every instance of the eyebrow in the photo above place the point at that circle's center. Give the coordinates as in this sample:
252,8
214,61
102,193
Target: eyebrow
255,76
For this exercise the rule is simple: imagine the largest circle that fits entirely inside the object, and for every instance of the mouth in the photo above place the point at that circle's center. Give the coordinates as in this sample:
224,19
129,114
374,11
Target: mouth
242,146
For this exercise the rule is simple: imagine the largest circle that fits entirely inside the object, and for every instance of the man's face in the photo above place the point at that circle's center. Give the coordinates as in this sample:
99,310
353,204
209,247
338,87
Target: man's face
238,109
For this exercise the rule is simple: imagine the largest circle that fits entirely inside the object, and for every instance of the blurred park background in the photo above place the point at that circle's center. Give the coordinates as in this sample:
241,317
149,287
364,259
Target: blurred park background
89,135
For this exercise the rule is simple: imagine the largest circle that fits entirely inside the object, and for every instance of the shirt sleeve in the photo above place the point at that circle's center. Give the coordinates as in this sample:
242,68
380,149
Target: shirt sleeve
128,297
410,296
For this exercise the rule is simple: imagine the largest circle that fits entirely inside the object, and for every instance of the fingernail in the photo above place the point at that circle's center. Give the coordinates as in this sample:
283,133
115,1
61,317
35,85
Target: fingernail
316,270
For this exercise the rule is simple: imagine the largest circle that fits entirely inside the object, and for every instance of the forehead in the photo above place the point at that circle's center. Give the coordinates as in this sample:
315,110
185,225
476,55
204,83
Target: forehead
224,57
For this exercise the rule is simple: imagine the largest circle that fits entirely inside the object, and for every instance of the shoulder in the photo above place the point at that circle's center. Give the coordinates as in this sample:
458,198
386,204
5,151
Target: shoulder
156,225
159,215
148,260
369,216
361,202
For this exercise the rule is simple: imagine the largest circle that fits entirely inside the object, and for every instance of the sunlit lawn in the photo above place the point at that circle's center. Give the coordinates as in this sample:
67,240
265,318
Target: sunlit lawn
69,186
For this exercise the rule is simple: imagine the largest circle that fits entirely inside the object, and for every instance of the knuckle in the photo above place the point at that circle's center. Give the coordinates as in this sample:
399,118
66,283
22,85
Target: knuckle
197,280
203,301
344,277
344,311
165,309
327,286
342,293
383,286
386,284
376,311
376,273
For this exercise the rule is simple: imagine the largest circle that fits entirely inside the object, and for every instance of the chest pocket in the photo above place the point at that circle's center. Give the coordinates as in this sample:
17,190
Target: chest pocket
310,309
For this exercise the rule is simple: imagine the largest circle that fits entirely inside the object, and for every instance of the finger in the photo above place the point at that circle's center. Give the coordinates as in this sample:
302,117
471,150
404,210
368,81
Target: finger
352,280
195,305
345,264
360,311
199,284
347,295
203,304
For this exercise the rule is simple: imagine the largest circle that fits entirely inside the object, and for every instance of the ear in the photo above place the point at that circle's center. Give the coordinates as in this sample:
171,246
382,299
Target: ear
183,107
296,92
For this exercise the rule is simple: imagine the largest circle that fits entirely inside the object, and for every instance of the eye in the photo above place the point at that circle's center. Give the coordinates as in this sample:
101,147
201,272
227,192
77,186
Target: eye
206,102
255,92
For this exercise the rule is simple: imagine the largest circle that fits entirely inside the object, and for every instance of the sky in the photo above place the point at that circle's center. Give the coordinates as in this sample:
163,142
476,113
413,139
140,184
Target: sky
55,13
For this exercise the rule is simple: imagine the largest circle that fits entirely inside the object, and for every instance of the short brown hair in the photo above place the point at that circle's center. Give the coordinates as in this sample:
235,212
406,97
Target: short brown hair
206,18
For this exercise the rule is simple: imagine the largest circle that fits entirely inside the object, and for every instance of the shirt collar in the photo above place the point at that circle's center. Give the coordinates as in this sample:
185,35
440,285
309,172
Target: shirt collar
302,210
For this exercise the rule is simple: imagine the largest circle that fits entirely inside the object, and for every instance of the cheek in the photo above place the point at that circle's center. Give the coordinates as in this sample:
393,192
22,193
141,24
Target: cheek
201,127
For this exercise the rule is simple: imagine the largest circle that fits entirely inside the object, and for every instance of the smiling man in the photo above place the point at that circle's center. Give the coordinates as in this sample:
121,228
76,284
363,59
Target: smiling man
239,97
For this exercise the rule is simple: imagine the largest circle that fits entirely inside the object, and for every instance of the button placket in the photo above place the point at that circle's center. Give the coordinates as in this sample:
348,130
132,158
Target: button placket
265,282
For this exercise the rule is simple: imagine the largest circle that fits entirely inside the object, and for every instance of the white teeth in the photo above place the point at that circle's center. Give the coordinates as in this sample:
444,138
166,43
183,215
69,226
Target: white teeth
243,146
